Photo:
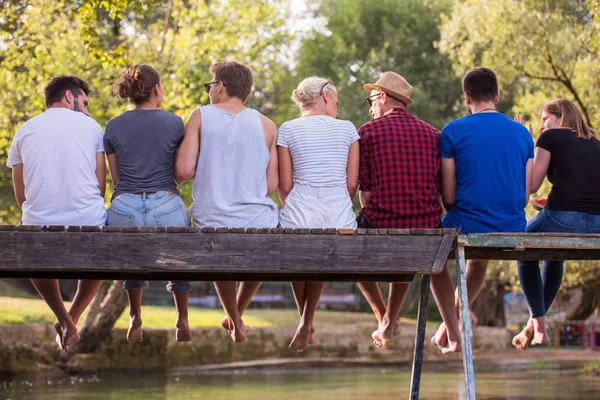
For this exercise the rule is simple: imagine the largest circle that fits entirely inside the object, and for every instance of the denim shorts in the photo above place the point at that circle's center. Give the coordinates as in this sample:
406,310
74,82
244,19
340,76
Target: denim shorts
156,209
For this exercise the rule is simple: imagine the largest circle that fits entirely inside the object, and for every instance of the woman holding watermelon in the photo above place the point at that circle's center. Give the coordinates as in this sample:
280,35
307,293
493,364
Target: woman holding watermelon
567,152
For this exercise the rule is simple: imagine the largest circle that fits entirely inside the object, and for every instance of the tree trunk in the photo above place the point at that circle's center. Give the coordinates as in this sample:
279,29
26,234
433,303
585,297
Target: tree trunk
489,305
590,300
101,319
96,304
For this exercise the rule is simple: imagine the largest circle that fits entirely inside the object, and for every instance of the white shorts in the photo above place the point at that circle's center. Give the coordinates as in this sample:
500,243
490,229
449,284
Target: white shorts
318,207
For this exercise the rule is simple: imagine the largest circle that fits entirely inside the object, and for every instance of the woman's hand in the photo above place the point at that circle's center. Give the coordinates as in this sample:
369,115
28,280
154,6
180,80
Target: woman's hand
519,119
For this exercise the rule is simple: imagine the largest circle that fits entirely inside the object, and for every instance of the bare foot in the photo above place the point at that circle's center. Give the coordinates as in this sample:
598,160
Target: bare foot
522,340
452,347
66,334
301,339
440,339
226,324
135,333
540,338
311,337
383,336
183,333
239,332
397,326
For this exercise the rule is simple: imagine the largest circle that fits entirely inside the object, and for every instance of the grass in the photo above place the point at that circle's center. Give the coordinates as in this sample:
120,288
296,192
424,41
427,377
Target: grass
24,311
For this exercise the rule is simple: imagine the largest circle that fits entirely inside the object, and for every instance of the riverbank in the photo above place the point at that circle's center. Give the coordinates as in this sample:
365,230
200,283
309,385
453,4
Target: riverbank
31,348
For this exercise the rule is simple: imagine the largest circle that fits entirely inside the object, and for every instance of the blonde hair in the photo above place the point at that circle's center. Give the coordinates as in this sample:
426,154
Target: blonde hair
570,118
310,90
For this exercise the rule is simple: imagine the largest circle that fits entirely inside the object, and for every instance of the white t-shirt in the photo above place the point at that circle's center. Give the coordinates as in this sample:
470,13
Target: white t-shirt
319,148
58,151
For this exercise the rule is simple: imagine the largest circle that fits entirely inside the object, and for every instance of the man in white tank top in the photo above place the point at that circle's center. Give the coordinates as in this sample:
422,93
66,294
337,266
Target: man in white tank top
59,177
231,153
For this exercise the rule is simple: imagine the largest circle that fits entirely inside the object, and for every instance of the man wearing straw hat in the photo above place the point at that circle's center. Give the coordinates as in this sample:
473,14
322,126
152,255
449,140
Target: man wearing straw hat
399,182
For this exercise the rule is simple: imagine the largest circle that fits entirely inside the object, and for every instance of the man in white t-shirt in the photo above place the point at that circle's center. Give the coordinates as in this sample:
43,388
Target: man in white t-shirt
59,177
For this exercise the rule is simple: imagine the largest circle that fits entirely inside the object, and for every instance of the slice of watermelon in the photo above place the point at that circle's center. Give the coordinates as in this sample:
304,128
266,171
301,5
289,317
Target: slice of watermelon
538,204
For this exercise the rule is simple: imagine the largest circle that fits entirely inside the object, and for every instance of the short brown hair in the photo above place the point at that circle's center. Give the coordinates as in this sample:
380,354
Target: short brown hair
57,87
570,118
136,84
480,84
236,77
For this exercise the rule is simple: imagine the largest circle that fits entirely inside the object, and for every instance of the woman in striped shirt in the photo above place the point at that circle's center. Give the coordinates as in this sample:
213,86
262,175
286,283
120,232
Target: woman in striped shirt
318,178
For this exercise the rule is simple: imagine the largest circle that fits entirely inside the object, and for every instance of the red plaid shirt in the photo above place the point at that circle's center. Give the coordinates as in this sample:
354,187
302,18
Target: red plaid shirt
400,165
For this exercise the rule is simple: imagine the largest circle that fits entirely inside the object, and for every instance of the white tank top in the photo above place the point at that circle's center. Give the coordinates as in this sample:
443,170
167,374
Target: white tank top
230,188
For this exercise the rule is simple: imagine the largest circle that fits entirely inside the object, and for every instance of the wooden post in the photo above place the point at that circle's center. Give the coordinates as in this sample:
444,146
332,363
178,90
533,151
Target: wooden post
420,339
465,321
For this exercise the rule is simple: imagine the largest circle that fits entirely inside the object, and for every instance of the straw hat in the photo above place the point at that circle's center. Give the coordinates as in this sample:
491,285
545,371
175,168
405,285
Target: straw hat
393,85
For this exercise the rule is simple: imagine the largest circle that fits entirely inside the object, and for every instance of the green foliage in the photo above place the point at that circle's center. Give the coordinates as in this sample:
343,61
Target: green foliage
540,50
362,38
95,39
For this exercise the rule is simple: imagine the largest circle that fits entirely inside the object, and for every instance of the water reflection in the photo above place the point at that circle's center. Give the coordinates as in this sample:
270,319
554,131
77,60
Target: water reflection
303,384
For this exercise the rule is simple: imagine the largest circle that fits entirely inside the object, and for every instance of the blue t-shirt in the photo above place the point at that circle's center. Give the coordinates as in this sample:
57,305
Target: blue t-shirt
490,152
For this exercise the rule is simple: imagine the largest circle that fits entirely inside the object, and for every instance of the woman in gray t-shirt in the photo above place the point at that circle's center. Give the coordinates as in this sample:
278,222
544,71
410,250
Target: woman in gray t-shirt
141,145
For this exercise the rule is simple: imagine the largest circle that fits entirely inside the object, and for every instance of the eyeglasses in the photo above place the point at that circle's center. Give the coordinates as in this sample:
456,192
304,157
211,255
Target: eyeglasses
323,87
209,84
372,98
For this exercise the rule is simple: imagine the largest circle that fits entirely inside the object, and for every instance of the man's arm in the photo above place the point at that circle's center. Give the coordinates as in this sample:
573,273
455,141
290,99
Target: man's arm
186,157
448,183
273,167
18,184
101,173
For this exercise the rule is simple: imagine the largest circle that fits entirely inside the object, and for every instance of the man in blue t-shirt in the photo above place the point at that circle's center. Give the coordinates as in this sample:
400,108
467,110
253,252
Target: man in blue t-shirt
487,161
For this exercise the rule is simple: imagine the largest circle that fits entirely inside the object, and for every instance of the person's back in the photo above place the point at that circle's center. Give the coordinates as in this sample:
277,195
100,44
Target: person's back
230,187
491,153
145,142
574,186
58,151
319,149
59,178
400,167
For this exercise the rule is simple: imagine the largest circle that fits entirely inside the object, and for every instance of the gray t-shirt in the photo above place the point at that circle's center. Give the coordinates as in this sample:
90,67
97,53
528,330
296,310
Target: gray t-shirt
145,142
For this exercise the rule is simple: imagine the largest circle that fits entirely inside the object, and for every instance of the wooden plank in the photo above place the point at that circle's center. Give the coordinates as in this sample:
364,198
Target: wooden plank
158,255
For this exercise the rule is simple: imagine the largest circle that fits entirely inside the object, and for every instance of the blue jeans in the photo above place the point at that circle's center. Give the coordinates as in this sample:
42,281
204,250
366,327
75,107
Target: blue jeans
540,290
157,209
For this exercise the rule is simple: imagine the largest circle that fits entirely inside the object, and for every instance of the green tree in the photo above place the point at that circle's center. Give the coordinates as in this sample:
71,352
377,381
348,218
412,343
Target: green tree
362,38
540,50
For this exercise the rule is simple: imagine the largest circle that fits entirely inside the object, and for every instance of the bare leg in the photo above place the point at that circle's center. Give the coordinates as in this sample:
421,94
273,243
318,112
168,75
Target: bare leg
86,290
227,295
476,270
306,328
135,333
383,335
523,339
299,291
244,296
447,338
66,329
540,336
183,333
373,295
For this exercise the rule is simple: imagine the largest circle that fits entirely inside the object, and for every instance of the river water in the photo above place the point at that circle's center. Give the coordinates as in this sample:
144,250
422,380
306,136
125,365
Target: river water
533,382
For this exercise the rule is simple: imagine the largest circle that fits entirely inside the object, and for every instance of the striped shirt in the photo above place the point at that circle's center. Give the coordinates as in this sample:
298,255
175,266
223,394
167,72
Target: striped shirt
319,148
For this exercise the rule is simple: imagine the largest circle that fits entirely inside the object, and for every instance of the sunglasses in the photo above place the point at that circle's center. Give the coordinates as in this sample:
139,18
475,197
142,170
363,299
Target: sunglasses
372,98
323,87
208,85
